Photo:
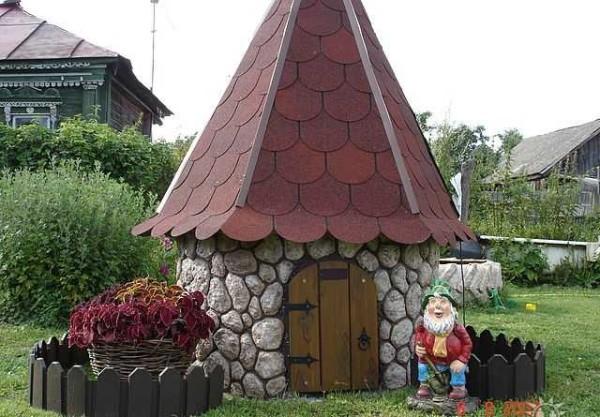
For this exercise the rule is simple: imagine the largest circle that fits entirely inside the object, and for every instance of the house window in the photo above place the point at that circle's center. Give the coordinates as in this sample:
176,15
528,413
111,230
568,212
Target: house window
20,114
32,119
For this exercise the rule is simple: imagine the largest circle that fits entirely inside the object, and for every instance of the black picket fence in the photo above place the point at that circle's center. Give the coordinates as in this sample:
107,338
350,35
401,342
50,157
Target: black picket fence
59,383
499,370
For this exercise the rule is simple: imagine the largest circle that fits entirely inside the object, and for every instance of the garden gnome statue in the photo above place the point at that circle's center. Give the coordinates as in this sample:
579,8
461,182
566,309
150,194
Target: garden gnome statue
442,345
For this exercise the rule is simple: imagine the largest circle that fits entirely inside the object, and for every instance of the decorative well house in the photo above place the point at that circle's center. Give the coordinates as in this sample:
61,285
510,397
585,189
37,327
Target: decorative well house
310,211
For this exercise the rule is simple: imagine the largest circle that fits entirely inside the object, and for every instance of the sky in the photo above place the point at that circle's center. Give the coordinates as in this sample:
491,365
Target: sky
526,64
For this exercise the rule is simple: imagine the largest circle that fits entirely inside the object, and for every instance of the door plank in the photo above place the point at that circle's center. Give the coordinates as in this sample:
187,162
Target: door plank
363,316
335,329
304,331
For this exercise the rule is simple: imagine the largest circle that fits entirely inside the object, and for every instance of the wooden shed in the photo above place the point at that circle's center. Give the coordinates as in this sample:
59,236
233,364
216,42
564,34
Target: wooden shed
310,210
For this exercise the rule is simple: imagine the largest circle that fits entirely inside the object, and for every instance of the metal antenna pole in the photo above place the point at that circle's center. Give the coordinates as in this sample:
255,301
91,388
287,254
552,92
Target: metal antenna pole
154,3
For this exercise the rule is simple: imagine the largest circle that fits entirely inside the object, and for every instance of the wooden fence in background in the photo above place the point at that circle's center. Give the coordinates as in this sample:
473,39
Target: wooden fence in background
499,370
58,382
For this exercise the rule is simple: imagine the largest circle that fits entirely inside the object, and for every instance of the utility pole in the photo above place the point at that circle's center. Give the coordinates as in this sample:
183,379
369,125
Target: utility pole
154,4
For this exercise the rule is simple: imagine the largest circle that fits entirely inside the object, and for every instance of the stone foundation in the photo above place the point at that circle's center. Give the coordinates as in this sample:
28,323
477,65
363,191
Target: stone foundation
246,284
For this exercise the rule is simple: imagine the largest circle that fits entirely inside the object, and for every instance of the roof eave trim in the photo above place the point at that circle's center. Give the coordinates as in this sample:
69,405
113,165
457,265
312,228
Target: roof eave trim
269,104
382,107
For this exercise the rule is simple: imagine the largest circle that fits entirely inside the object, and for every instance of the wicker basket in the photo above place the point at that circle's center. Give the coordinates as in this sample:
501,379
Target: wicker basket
152,355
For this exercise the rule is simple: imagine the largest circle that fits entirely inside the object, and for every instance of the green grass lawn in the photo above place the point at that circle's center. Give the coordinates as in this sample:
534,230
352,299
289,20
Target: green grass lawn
566,322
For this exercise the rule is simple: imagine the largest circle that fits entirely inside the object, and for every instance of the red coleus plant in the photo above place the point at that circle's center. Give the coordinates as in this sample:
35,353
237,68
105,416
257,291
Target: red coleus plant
109,318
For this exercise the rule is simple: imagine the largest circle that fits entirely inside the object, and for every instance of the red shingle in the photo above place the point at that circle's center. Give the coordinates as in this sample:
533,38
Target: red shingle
331,146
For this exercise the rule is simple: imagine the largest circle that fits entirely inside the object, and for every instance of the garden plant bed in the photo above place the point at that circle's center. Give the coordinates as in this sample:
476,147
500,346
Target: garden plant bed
59,383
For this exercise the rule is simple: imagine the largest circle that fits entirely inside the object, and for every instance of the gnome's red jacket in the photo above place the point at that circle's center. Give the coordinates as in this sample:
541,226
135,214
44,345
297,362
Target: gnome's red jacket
458,344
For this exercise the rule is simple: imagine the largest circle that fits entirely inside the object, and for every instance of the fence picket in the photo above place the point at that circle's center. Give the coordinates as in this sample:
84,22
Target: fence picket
197,391
501,346
524,376
39,384
500,378
63,352
215,390
108,391
140,392
31,360
516,348
474,383
486,346
54,388
76,392
170,401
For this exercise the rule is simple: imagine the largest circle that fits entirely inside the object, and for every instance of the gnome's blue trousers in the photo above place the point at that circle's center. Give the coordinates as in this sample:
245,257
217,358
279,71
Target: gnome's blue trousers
456,379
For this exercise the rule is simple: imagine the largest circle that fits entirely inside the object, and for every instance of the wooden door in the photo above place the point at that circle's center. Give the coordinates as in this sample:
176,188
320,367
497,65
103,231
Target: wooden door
333,329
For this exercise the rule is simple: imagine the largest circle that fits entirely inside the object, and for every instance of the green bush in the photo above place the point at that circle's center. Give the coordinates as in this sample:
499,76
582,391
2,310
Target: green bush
65,236
522,263
569,274
126,155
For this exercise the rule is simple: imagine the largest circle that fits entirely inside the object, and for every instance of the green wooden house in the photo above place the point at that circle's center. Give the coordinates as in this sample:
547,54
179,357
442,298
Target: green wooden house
47,74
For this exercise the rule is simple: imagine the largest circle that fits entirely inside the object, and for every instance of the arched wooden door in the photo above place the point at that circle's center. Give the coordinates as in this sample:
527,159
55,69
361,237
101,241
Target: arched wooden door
333,329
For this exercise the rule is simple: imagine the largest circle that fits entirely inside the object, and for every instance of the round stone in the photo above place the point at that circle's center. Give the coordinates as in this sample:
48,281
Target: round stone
393,306
394,376
272,299
237,371
401,333
247,320
236,390
385,330
425,274
293,252
269,250
367,261
412,277
399,279
255,284
216,318
228,343
225,244
248,351
254,309
270,364
412,257
216,359
284,271
238,291
276,386
403,355
218,298
218,266
387,353
204,348
267,273
233,321
241,262
253,386
321,248
268,333
195,275
348,250
413,301
188,246
206,248
389,255
383,284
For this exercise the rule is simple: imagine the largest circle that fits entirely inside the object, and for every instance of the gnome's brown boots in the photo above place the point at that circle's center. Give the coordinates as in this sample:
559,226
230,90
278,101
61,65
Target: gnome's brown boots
458,393
424,392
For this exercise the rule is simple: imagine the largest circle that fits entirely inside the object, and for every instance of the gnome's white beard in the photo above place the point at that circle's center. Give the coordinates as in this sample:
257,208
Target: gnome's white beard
441,326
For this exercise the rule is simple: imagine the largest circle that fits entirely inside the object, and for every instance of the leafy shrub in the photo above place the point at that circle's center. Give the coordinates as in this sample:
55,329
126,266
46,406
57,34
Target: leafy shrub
65,237
138,311
522,263
569,274
126,155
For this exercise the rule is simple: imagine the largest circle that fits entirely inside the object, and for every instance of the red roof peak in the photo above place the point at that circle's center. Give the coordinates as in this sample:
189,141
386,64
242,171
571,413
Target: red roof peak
313,136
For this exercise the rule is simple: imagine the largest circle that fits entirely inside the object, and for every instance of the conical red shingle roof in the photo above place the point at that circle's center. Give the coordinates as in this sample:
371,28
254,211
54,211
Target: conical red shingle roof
313,136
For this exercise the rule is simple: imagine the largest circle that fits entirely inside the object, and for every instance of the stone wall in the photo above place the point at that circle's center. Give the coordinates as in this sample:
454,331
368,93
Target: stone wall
245,286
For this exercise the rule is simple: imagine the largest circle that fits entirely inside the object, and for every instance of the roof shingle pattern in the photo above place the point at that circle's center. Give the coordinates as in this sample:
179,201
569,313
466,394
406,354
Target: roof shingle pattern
325,162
